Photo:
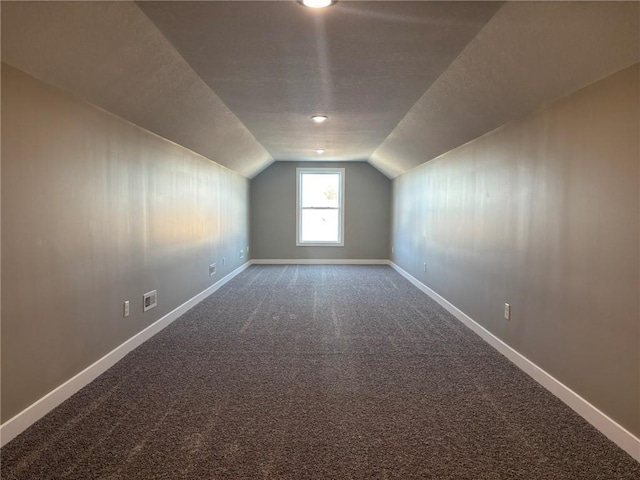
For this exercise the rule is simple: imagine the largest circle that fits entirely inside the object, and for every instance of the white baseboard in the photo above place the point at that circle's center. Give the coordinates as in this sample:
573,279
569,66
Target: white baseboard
609,427
19,423
318,261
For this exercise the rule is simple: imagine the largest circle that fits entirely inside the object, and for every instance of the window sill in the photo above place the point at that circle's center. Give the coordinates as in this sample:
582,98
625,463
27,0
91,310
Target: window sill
319,244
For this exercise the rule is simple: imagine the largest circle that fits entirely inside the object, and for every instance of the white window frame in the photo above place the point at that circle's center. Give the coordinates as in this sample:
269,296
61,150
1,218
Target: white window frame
299,173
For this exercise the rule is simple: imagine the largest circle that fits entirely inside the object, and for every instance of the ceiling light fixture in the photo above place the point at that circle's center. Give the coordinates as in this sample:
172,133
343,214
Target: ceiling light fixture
319,151
319,118
317,3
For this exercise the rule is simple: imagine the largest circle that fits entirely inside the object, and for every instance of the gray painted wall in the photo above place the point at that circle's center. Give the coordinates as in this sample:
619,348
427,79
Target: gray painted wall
542,214
367,213
96,211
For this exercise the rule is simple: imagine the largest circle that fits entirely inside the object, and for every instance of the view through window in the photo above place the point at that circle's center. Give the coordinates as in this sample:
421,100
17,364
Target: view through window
320,206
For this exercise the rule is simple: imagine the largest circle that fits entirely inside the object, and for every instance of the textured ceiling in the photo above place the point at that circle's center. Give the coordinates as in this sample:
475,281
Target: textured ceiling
402,82
528,55
111,55
363,64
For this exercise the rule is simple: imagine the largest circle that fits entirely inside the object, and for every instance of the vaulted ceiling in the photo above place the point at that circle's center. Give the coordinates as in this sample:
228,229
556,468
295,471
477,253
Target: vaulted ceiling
401,82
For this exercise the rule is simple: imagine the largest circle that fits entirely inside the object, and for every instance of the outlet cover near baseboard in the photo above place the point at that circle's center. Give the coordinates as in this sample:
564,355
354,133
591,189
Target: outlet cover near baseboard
149,300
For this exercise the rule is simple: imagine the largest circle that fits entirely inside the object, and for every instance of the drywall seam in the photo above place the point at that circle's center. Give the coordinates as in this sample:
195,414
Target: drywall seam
606,425
319,261
23,420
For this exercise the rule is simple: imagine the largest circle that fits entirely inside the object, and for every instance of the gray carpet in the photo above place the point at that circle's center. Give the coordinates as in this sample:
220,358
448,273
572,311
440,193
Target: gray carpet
319,372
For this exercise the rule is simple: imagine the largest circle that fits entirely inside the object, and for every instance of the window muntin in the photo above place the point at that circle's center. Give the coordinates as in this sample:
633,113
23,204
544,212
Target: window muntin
320,212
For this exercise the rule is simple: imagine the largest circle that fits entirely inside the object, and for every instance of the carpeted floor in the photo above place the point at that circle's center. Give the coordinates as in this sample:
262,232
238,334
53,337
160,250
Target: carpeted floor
319,372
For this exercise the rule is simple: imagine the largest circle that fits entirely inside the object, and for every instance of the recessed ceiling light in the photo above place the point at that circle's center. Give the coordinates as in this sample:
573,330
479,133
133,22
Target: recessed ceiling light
319,151
317,3
319,118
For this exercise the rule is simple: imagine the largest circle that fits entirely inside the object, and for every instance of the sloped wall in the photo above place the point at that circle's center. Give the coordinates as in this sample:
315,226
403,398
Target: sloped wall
96,211
542,214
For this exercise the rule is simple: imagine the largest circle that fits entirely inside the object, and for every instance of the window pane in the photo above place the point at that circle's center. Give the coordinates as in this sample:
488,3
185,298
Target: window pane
320,190
319,226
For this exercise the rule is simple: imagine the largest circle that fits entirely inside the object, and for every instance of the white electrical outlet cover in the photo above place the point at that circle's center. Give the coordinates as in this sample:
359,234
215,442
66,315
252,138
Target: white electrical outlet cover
149,300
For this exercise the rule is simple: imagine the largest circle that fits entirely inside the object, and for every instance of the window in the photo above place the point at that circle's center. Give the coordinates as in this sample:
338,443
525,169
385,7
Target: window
320,214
